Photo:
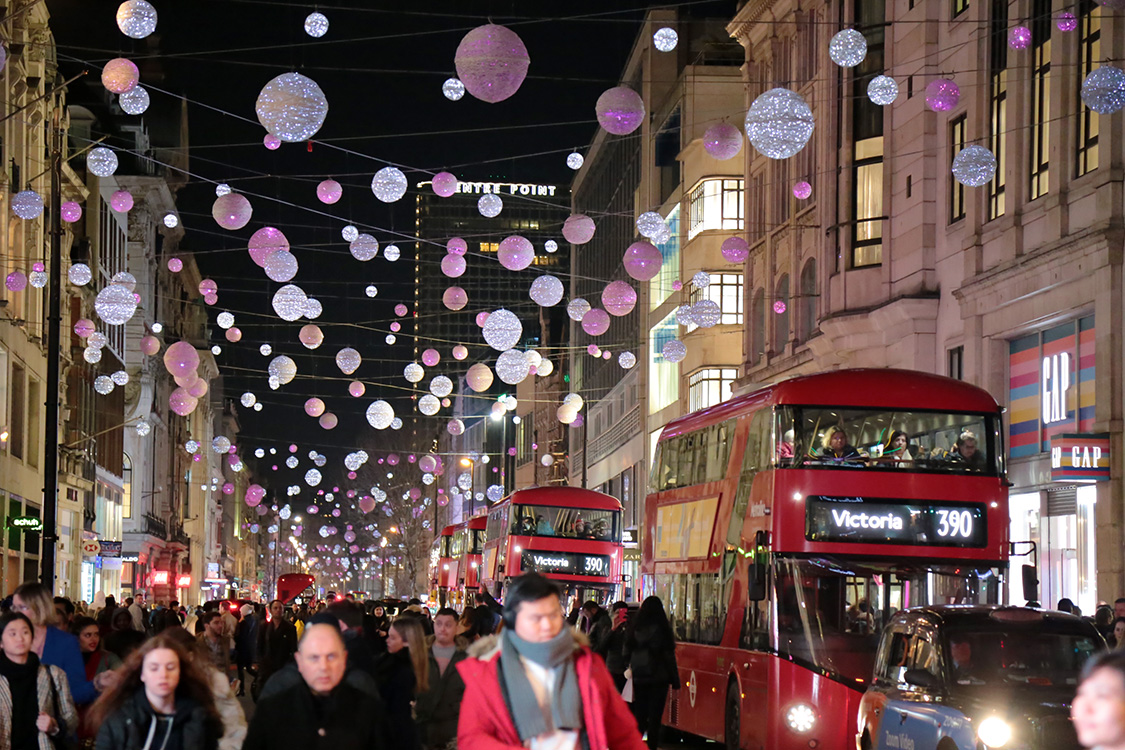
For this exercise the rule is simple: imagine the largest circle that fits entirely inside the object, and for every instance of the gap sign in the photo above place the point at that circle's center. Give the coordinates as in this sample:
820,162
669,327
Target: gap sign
1080,457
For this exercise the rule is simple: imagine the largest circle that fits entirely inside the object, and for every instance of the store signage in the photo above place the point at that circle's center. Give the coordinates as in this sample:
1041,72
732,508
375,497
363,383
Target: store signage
213,570
25,523
1080,457
629,536
110,549
509,188
183,582
570,563
1055,376
130,558
879,520
91,547
160,577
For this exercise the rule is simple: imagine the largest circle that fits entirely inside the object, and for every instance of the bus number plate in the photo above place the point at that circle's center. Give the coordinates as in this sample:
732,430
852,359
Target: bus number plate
569,563
879,520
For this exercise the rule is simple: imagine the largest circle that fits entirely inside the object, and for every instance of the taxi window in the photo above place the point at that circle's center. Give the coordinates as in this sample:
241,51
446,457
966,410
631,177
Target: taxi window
926,656
895,665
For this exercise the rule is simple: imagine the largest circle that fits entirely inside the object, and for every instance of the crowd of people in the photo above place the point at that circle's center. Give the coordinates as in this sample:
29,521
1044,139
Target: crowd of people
341,674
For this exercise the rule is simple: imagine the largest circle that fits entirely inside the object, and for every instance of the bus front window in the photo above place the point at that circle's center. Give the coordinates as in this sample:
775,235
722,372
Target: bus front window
830,612
887,440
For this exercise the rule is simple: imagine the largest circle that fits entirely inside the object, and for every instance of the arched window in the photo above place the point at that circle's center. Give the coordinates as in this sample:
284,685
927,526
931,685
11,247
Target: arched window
808,300
758,330
781,319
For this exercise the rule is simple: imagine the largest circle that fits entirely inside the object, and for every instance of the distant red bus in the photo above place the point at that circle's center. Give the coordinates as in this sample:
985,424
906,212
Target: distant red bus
443,566
472,556
779,547
569,534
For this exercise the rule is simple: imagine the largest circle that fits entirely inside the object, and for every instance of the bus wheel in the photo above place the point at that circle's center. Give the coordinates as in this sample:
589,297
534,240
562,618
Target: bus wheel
733,731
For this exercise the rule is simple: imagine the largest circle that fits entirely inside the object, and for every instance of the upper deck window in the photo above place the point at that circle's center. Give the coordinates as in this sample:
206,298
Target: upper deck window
567,523
887,440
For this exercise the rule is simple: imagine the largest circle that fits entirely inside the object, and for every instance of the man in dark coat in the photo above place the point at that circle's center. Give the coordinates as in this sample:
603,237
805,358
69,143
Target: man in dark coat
598,625
277,642
437,709
322,711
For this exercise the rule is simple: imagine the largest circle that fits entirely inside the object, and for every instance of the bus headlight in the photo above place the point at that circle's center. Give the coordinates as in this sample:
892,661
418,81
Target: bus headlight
994,732
801,718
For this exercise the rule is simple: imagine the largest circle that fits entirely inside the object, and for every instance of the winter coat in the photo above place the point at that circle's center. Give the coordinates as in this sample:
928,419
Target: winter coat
436,710
486,717
395,675
276,645
60,649
57,703
128,727
652,656
346,719
599,630
230,712
246,641
613,650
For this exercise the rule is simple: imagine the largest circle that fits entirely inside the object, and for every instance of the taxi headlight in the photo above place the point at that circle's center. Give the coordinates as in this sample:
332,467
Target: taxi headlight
800,717
994,732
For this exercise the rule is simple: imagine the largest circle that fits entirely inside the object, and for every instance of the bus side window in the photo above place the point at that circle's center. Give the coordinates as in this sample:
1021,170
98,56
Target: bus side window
755,626
757,446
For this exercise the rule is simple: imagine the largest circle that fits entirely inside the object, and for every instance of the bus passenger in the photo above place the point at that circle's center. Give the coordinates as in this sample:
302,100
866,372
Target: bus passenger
835,447
785,447
965,453
543,526
897,453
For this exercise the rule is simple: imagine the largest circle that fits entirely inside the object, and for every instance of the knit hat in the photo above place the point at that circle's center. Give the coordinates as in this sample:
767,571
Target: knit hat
246,609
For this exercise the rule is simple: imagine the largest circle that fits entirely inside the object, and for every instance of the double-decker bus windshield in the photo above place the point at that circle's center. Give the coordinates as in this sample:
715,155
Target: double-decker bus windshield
476,545
991,655
566,523
830,612
887,439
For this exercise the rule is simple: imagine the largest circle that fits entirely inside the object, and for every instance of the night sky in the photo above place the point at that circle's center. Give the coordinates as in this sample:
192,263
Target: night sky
381,68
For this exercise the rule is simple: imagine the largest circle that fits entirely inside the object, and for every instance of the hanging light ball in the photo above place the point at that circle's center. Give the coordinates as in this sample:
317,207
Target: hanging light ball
328,421
848,48
515,253
735,249
400,310
1019,37
79,274
389,184
627,360
444,184
316,25
135,101
620,110
642,260
619,298
125,279
722,141
942,95
314,407
349,233
380,414
281,266
490,205
120,75
233,335
136,18
311,336
502,330
491,62
974,166
578,229
103,385
390,338
364,247
512,367
457,246
371,290
546,291
121,201
575,161
566,413
650,223
38,277
665,39
454,298
292,107
83,327
595,322
685,316
429,405
460,352
453,89
1066,21
232,211
706,313
91,355
455,427
779,123
283,368
479,377
802,190
289,302
1103,90
27,204
271,142
577,308
225,320
674,350
441,386
414,372
329,191
431,357
115,304
348,360
70,211
171,220
181,402
882,90
701,280
101,161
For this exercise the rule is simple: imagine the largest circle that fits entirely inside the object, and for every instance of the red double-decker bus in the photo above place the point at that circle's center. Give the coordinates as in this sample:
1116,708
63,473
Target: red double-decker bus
443,566
786,526
569,534
472,556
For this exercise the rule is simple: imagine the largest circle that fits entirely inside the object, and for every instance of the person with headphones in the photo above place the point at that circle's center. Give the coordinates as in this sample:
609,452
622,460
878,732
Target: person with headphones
538,685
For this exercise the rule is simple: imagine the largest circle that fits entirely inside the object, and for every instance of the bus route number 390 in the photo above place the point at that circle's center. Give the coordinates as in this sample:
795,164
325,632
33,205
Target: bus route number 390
595,565
955,523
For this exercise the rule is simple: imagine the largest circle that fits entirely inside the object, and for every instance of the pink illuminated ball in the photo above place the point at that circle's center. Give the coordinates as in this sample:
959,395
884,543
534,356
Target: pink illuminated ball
595,322
121,201
491,62
1019,37
1066,21
619,298
85,327
181,359
265,242
356,388
515,253
802,190
228,488
181,402
606,355
482,318
314,407
232,211
454,298
460,352
779,307
677,285
16,281
208,286
942,95
367,503
453,265
735,249
271,141
593,350
328,421
234,335
351,475
457,246
444,184
722,141
292,447
642,260
329,191
175,265
70,212
120,75
198,389
620,110
150,345
400,310
211,299
578,229
396,326
430,357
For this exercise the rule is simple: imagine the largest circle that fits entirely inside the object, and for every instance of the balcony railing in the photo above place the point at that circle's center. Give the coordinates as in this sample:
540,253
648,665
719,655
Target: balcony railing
155,526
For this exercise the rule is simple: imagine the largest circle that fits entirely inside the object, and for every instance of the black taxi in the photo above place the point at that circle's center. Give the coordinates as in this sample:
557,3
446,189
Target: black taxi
955,677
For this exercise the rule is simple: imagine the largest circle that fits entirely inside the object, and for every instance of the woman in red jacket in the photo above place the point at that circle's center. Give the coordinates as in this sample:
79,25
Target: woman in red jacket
535,685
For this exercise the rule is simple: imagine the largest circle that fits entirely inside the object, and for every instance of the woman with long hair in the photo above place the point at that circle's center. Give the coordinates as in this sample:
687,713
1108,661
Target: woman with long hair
403,672
51,644
162,700
1098,710
99,666
650,646
35,702
227,706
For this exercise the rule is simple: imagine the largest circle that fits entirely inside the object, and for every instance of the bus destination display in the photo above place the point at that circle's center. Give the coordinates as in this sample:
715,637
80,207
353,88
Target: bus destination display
875,520
567,563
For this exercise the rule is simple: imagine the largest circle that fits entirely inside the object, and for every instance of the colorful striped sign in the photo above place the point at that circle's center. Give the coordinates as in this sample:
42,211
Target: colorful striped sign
1080,457
1051,386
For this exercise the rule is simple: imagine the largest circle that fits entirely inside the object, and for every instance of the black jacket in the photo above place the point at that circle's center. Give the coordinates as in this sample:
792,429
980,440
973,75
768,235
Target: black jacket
276,645
346,719
395,675
652,656
613,650
436,711
128,727
599,630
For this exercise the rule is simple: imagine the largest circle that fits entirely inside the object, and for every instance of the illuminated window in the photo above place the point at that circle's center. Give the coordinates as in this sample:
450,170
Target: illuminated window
664,376
1089,52
127,477
959,7
1040,145
956,189
725,289
660,286
715,204
709,387
489,247
867,242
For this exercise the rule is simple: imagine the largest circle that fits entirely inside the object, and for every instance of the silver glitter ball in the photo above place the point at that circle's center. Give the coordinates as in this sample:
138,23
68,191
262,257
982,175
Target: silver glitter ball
389,184
665,39
91,355
392,253
577,308
27,204
575,161
551,246
316,25
453,89
649,223
441,386
429,405
349,233
372,290
706,313
135,101
1103,89
502,330
79,274
225,320
380,414
490,205
779,123
143,428
414,372
701,280
364,247
115,304
222,189
101,161
546,291
289,302
512,367
674,350
136,18
103,385
848,48
120,378
292,107
974,166
882,90
627,360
